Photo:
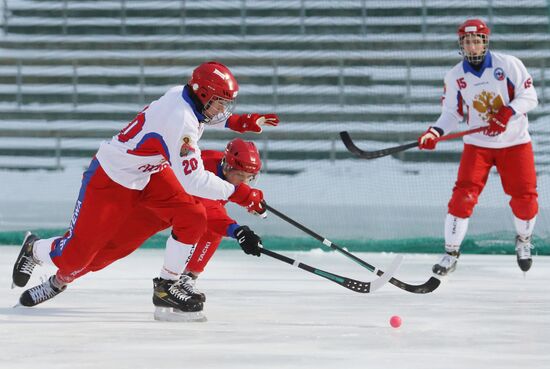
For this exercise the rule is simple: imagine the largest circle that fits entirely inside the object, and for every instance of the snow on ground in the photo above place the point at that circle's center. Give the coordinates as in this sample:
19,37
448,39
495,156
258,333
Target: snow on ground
265,314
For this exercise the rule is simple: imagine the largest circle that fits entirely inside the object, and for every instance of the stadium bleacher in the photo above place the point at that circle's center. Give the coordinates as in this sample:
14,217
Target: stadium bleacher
72,72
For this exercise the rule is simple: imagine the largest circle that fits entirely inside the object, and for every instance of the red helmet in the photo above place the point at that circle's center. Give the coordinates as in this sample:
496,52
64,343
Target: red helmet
474,28
243,155
213,81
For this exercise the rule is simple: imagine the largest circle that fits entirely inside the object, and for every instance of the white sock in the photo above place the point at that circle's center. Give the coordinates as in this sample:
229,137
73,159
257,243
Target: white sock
524,228
176,257
41,251
455,231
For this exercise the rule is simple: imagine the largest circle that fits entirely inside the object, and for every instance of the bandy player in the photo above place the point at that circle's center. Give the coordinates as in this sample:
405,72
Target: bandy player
497,92
153,166
239,163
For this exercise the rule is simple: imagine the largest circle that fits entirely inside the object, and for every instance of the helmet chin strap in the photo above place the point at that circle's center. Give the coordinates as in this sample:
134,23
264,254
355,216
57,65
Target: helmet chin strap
196,101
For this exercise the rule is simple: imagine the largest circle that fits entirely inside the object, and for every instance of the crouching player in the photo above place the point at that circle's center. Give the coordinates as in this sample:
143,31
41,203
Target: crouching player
240,163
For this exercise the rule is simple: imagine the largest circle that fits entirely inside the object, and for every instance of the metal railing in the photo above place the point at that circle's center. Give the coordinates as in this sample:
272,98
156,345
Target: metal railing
245,6
408,82
4,16
340,66
64,148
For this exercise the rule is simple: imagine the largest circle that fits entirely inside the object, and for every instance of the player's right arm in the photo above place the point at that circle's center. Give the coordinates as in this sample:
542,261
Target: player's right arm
187,164
451,114
451,104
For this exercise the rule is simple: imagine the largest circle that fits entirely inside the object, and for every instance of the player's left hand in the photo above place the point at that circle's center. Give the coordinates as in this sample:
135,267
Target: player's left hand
427,140
499,121
251,122
248,240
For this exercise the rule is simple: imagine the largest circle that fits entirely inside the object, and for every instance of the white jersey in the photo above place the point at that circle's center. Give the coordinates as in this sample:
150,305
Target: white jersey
474,95
164,134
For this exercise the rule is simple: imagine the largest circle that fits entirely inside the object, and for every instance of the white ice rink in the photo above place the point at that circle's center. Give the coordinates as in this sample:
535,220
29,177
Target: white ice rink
265,314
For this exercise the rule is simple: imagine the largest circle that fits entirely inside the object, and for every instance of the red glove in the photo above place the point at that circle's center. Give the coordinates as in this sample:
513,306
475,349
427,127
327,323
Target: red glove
251,122
499,121
427,140
250,198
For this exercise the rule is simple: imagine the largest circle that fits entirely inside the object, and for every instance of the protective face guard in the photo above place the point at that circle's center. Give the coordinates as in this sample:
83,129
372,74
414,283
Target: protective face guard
474,37
223,110
248,178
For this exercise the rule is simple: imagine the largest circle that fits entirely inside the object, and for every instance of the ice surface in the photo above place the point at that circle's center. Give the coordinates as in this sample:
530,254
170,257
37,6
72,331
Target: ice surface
265,314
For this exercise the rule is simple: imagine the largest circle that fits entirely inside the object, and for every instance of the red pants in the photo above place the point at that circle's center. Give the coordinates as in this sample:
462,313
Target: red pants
516,166
217,224
204,251
110,219
150,223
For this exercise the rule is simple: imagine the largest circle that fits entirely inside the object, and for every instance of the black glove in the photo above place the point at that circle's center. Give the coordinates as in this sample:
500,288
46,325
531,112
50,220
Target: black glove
248,240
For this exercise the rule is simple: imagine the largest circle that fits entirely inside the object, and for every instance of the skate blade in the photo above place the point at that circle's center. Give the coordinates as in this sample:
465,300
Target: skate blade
167,314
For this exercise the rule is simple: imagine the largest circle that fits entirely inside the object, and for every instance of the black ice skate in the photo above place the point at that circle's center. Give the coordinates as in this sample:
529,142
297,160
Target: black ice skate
173,303
43,292
523,253
25,263
447,264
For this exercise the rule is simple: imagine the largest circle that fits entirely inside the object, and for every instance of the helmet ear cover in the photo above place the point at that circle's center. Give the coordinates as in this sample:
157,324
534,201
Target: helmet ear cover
200,92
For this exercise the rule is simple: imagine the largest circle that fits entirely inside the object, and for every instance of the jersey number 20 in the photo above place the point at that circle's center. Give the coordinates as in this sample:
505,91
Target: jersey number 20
189,165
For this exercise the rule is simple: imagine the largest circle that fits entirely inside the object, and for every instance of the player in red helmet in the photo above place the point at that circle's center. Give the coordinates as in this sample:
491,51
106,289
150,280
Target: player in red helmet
154,164
239,164
214,90
473,40
498,92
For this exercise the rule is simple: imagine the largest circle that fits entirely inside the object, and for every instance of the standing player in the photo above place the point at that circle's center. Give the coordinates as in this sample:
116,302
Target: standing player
153,166
498,92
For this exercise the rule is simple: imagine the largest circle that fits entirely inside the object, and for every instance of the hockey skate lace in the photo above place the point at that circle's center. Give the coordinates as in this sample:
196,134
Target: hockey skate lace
188,285
28,265
42,292
178,291
524,250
